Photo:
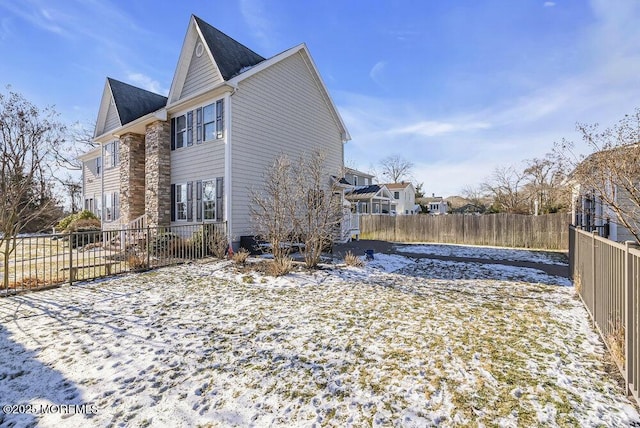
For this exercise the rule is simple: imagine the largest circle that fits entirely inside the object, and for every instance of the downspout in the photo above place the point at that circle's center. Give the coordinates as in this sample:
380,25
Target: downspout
228,188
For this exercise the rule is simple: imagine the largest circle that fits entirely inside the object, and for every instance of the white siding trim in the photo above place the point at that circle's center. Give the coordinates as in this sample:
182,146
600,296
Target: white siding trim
228,200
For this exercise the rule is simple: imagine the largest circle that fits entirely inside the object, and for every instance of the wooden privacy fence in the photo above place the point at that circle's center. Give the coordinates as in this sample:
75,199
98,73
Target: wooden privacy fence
547,231
606,276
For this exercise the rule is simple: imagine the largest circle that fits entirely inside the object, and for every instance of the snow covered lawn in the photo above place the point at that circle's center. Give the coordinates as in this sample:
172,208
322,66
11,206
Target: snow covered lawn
399,342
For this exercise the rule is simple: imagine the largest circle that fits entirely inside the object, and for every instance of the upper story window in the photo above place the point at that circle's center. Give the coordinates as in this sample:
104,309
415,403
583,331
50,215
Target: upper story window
112,155
209,125
99,165
396,195
180,131
213,120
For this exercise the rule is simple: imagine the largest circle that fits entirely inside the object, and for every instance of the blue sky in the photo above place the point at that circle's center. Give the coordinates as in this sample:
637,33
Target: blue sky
457,87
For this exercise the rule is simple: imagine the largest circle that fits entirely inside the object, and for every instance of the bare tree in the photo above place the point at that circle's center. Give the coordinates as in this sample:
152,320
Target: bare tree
29,140
395,168
273,208
320,209
476,198
505,186
611,173
546,184
80,140
297,204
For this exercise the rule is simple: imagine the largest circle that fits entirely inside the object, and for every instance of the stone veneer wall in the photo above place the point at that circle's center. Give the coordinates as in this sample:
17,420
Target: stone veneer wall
132,154
158,173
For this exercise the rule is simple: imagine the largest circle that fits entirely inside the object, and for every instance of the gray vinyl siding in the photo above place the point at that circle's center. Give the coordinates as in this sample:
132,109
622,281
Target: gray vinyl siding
201,74
92,183
198,162
279,110
112,121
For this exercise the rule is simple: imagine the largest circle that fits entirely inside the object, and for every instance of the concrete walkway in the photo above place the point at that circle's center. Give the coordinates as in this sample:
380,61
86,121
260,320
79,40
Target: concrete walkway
358,248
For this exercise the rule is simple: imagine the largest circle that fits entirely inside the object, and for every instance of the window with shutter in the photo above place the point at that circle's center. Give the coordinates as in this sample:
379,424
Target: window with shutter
190,128
219,118
198,200
173,133
199,125
209,200
219,201
190,201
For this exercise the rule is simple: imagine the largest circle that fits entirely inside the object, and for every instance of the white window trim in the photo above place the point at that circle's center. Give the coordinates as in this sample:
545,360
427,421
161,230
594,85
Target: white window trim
215,198
185,202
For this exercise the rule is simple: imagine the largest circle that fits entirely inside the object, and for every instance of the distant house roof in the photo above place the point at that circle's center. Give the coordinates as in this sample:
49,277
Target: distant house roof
133,102
231,56
395,186
358,173
363,190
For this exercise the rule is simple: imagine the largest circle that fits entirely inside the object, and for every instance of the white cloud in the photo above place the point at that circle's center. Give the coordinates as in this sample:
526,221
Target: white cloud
376,72
255,15
549,4
433,128
146,82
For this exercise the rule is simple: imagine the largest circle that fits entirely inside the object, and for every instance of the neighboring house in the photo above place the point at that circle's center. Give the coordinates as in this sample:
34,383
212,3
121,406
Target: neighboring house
371,199
357,178
365,196
436,205
405,196
194,156
590,213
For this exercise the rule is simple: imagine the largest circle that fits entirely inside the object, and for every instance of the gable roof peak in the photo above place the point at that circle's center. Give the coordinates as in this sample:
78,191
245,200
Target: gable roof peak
132,102
230,56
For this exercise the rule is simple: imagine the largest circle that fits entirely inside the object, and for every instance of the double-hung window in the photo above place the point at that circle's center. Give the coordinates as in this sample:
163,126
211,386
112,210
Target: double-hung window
213,120
181,201
181,131
209,200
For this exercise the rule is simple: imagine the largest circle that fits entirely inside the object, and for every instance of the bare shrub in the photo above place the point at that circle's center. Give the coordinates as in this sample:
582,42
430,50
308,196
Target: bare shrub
218,244
280,267
137,262
240,257
351,259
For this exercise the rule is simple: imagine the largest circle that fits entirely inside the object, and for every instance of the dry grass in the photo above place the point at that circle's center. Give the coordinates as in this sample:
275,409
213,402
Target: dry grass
615,341
577,284
29,282
351,259
137,262
280,267
240,257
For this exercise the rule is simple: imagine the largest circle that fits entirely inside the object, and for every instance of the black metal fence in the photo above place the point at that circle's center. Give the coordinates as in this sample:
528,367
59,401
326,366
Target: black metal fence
43,261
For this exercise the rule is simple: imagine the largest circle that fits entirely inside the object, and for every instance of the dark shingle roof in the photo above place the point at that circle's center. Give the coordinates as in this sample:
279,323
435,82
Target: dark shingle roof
230,55
373,188
133,102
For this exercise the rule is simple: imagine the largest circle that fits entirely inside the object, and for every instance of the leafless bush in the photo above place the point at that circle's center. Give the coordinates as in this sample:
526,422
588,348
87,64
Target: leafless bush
240,257
351,259
136,262
297,204
218,244
280,267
